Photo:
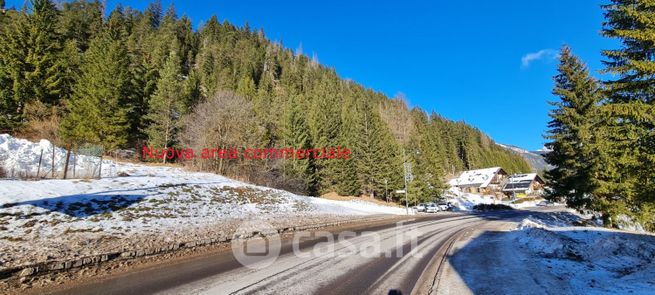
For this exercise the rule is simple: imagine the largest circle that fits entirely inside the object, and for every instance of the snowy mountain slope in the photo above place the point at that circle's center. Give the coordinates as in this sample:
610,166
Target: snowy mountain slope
534,158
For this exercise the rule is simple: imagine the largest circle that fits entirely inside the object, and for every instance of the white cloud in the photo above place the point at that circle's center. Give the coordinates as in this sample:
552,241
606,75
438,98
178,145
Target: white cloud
539,55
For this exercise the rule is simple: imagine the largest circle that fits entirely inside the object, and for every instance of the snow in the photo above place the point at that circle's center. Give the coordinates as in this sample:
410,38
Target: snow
552,250
513,148
466,201
626,223
20,157
521,177
545,150
479,177
592,260
150,201
463,201
543,251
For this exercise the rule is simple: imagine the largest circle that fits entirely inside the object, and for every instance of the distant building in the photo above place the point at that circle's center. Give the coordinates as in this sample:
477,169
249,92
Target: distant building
483,181
523,185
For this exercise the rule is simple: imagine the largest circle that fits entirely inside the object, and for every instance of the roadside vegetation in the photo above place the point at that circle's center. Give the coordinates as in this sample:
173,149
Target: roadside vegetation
602,132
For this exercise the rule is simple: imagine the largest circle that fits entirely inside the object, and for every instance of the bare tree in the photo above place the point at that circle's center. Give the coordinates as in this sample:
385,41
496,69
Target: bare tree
397,116
224,121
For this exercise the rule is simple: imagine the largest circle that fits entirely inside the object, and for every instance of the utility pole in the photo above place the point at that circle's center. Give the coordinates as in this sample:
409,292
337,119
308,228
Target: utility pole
407,169
386,190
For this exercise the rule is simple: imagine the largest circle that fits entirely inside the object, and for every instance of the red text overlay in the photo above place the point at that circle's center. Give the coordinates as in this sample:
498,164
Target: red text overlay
246,153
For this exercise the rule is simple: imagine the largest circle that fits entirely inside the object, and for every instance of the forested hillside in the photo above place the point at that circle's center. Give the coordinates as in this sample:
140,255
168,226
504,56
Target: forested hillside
69,74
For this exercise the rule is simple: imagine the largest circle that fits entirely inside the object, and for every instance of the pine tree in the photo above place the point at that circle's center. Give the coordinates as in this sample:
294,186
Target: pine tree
81,21
246,87
367,149
166,105
296,135
422,152
467,149
68,64
98,112
13,49
374,148
191,91
572,133
325,124
30,50
346,180
630,111
43,80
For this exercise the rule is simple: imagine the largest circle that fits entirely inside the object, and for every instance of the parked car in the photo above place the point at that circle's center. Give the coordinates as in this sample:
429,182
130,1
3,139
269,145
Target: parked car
431,208
420,207
545,203
443,206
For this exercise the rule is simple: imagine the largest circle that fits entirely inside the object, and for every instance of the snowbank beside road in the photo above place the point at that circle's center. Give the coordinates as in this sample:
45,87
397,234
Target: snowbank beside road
546,253
591,259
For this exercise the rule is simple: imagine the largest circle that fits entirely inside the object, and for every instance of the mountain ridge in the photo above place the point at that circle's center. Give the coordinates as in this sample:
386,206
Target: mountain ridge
534,158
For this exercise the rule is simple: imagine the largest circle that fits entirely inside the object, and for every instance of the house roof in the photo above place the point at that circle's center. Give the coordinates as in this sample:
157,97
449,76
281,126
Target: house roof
477,178
521,182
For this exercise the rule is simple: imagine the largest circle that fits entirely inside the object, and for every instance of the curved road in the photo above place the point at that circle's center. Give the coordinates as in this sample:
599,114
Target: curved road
387,258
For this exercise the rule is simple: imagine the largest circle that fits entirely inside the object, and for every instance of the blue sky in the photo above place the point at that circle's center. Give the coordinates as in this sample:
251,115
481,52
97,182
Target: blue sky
488,63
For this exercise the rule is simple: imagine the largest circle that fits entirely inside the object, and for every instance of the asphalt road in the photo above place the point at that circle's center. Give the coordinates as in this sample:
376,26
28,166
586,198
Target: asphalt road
387,258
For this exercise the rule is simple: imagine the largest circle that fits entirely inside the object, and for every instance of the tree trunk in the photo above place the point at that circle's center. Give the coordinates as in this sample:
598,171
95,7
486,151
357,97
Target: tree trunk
220,162
166,143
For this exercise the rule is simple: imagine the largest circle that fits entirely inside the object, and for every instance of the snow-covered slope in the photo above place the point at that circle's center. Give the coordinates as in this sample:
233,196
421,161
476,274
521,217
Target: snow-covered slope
534,158
149,181
145,202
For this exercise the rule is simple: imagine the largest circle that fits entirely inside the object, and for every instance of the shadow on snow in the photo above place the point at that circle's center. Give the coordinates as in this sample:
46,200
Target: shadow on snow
83,205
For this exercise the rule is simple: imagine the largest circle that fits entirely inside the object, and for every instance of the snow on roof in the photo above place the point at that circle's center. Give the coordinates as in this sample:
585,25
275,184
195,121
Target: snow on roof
520,182
478,177
521,177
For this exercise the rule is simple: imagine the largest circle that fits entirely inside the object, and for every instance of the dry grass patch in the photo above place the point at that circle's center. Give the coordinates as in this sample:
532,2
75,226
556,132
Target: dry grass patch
336,197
